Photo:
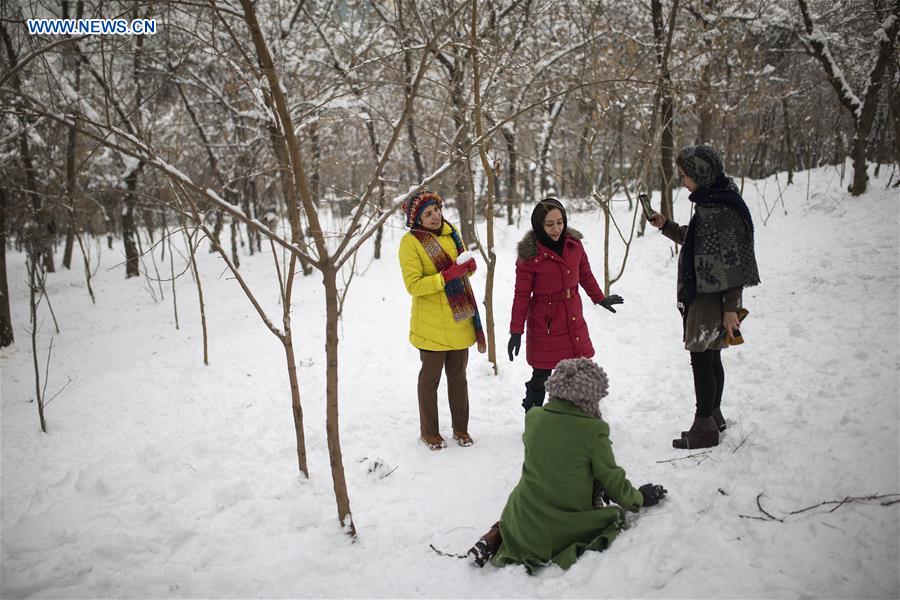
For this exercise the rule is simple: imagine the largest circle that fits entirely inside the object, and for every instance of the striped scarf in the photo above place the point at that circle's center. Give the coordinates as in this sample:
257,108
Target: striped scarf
459,291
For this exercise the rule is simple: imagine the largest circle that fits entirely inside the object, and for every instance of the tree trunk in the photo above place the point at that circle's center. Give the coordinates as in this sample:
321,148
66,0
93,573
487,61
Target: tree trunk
41,232
34,281
329,279
69,247
6,329
72,63
788,143
895,113
512,197
291,163
192,257
860,145
667,152
758,168
70,193
465,203
705,116
288,189
129,232
541,183
217,230
316,146
296,407
663,43
249,204
235,255
489,174
288,341
580,185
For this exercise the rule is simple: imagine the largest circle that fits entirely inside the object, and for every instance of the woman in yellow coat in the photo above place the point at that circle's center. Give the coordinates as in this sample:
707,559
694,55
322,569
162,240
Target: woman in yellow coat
444,322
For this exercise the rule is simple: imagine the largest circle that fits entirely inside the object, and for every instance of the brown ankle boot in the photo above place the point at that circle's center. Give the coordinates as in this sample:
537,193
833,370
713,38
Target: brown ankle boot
703,434
486,547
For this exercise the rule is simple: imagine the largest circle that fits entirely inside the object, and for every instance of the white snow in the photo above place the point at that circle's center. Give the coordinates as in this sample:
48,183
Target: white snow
159,477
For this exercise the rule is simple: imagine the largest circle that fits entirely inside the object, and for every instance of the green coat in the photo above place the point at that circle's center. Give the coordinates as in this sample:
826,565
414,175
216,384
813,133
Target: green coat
550,515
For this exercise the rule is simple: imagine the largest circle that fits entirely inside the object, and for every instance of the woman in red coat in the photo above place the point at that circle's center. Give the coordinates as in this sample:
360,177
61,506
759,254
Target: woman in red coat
551,265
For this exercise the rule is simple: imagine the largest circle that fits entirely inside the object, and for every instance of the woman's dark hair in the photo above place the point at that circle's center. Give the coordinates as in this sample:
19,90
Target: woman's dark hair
540,213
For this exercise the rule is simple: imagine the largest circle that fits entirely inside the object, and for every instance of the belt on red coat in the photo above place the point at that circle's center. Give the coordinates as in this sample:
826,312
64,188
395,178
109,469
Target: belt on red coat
563,295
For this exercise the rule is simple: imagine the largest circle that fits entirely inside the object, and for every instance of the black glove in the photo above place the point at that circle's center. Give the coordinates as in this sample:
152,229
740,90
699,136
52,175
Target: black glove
515,342
652,493
608,302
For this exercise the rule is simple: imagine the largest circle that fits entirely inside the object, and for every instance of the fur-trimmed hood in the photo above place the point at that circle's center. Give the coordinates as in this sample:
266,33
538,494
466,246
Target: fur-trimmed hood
528,246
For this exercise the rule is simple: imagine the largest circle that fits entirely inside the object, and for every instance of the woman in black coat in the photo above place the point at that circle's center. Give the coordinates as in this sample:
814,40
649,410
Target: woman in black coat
717,261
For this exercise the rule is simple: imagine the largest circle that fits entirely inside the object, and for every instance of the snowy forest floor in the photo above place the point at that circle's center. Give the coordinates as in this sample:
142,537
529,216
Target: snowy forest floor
161,477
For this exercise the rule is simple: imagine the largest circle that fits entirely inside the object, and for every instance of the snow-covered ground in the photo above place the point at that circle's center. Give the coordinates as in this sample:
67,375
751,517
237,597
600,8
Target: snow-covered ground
162,477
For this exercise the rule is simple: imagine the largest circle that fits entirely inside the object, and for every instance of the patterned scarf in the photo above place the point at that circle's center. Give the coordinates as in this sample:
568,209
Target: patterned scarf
723,192
459,291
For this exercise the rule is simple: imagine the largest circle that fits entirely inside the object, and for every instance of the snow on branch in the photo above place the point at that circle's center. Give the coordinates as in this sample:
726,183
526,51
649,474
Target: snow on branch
816,44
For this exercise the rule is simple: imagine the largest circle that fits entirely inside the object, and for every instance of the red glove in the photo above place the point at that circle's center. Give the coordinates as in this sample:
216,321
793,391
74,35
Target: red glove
455,271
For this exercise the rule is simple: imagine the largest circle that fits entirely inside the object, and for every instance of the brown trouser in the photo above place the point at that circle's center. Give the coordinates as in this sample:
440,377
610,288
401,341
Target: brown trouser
454,363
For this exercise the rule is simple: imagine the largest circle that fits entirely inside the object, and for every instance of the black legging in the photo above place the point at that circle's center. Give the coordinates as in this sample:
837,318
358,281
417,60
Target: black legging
709,380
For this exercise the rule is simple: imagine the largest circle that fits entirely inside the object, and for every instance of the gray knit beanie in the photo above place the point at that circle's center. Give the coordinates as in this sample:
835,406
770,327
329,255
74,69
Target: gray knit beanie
701,163
580,381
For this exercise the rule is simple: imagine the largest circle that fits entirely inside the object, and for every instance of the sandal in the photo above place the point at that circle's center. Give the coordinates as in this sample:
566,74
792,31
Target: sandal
434,442
463,438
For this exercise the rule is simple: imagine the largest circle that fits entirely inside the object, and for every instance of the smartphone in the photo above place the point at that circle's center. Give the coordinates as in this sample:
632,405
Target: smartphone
645,204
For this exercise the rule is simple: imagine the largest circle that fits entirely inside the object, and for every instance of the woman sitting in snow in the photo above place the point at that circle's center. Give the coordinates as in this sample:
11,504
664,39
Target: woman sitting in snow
444,320
562,503
716,263
551,265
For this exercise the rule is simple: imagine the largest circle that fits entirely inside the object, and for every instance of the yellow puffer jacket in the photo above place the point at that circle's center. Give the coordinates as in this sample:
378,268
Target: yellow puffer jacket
431,324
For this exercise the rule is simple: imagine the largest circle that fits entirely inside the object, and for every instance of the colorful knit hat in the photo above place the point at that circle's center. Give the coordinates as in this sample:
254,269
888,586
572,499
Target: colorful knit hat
415,205
580,381
701,163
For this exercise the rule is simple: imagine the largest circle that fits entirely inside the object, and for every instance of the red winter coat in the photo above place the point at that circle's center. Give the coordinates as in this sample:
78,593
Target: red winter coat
547,298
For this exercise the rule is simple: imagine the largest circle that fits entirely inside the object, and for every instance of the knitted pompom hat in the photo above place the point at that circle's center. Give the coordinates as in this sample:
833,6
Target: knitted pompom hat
701,163
581,381
416,204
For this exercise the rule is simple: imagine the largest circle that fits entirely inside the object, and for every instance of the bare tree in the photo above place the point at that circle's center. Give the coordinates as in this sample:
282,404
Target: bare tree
861,106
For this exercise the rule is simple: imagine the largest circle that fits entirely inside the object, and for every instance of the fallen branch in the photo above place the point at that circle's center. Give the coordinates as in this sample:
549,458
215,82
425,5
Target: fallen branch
738,447
892,499
447,554
851,499
702,456
763,511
